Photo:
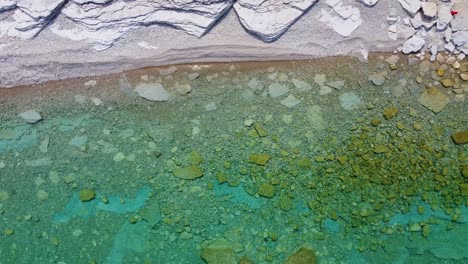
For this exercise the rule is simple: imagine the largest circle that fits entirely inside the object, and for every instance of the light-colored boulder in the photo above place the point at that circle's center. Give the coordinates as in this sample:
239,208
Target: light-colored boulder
411,6
153,92
347,20
270,19
277,90
31,116
413,44
444,16
429,9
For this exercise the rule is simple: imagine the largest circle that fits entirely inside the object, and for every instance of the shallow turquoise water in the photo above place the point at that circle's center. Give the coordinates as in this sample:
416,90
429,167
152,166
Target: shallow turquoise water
335,181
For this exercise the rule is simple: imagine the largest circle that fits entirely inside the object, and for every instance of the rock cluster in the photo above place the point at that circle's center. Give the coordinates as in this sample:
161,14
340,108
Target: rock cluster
438,25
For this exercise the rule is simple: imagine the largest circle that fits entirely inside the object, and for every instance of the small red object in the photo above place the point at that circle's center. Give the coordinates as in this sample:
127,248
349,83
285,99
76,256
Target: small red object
453,12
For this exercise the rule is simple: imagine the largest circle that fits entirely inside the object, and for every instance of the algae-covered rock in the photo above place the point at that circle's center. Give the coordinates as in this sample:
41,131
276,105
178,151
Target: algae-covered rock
464,171
460,137
259,159
245,260
261,132
285,203
464,189
380,149
447,83
195,157
219,252
266,190
390,112
87,195
188,173
221,177
303,255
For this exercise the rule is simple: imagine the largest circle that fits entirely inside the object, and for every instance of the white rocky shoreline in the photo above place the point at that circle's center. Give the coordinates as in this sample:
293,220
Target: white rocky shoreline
42,40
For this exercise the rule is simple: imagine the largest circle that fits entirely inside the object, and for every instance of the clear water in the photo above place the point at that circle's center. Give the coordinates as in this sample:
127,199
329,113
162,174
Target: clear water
349,184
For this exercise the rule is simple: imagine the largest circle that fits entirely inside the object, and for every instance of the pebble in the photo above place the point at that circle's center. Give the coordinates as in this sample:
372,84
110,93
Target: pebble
87,195
96,101
248,122
211,106
4,196
119,157
42,195
31,116
276,90
290,101
320,79
90,83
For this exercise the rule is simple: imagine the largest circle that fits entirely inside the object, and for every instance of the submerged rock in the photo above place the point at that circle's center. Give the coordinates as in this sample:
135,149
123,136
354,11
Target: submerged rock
303,255
219,252
31,116
87,195
277,90
153,92
188,173
434,99
259,159
460,137
266,190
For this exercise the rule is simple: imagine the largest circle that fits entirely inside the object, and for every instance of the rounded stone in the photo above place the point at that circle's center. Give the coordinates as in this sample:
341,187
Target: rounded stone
87,195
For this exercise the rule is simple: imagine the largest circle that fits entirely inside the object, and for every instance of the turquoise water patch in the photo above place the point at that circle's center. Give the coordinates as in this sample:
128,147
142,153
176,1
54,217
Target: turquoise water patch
413,215
117,204
17,138
131,238
238,195
122,205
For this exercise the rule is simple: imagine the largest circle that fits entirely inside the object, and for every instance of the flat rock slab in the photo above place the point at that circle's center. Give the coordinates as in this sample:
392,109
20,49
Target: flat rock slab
31,116
188,173
302,256
434,99
153,92
350,101
277,90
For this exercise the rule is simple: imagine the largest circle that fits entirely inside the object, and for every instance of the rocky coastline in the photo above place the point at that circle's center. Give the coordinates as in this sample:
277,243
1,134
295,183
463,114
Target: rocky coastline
58,39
